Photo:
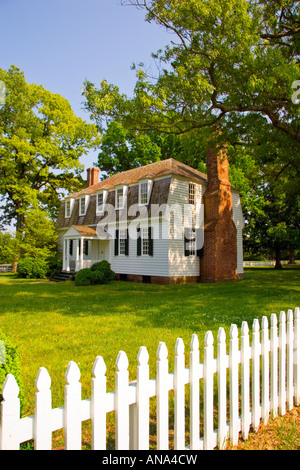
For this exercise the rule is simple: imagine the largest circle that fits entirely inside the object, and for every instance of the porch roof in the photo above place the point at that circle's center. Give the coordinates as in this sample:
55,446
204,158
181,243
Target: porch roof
86,231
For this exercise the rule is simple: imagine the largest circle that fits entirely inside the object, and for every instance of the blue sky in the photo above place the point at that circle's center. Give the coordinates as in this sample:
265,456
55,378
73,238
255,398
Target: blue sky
60,43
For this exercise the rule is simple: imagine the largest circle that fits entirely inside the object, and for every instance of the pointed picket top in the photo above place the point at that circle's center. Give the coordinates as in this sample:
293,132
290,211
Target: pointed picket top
290,315
179,347
297,313
194,346
273,319
122,361
264,323
99,367
245,328
73,373
221,335
10,387
143,356
43,380
209,339
282,317
233,331
255,325
162,351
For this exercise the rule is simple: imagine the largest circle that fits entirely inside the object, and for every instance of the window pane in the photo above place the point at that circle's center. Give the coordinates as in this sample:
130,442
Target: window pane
144,193
119,198
100,201
82,205
191,193
145,241
122,242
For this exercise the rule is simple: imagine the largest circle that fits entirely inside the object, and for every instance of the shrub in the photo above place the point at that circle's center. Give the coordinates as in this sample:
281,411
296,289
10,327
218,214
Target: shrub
10,363
99,273
54,265
82,278
104,267
32,268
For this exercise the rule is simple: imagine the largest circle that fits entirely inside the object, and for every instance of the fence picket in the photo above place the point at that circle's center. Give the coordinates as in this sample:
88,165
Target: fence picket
282,363
274,366
275,361
208,391
194,394
265,352
98,410
142,400
43,408
297,355
290,359
162,394
179,396
234,385
10,414
122,402
255,375
222,402
72,418
245,379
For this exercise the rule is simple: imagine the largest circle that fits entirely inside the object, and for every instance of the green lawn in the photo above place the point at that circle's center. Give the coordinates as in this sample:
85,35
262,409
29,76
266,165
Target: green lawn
54,323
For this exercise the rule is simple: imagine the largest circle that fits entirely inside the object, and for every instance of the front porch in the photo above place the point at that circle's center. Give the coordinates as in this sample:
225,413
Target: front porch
83,247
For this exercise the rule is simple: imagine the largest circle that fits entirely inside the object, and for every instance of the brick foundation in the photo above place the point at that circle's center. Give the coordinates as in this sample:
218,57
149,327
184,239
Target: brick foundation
163,280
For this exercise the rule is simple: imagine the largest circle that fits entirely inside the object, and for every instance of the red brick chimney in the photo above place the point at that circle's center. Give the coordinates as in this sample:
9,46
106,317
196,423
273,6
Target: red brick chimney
219,260
92,176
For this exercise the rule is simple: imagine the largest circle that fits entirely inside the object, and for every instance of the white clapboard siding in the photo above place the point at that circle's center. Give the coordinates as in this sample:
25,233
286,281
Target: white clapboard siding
263,381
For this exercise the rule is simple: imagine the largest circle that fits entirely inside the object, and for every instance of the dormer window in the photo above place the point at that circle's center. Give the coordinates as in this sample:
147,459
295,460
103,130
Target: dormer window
121,193
68,207
144,192
101,199
83,203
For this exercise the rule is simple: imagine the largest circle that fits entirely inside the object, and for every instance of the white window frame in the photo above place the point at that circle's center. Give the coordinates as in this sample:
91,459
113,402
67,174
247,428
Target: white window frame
86,198
101,209
192,242
192,193
124,195
122,238
71,202
149,187
145,241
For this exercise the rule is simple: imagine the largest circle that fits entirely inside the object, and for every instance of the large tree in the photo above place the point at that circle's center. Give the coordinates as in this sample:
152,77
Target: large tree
224,57
41,142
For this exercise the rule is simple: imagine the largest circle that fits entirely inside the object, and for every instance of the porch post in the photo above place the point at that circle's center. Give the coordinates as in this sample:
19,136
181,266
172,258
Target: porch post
64,254
77,267
68,255
81,253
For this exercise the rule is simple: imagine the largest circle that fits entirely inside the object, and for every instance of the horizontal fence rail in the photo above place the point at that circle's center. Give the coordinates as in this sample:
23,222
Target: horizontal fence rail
251,382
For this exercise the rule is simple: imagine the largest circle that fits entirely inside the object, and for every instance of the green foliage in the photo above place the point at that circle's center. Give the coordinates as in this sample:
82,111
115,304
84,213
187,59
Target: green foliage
82,277
104,267
32,268
10,363
99,273
41,141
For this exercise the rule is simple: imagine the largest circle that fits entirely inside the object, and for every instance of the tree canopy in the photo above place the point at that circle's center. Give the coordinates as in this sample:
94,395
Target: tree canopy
41,142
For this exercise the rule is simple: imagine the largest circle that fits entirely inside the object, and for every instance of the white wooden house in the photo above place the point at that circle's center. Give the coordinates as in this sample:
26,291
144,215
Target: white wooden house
148,222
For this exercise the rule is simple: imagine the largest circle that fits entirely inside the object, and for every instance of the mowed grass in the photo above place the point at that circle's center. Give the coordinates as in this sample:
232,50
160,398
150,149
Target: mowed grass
54,323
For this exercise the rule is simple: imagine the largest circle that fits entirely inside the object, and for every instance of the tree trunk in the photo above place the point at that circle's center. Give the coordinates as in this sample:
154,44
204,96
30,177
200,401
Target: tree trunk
292,255
278,259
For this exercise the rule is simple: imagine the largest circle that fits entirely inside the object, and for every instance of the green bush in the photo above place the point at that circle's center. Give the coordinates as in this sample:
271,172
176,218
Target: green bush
33,268
10,363
99,273
82,278
54,265
104,266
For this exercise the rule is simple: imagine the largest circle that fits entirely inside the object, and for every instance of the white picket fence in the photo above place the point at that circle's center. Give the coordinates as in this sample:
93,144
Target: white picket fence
258,380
